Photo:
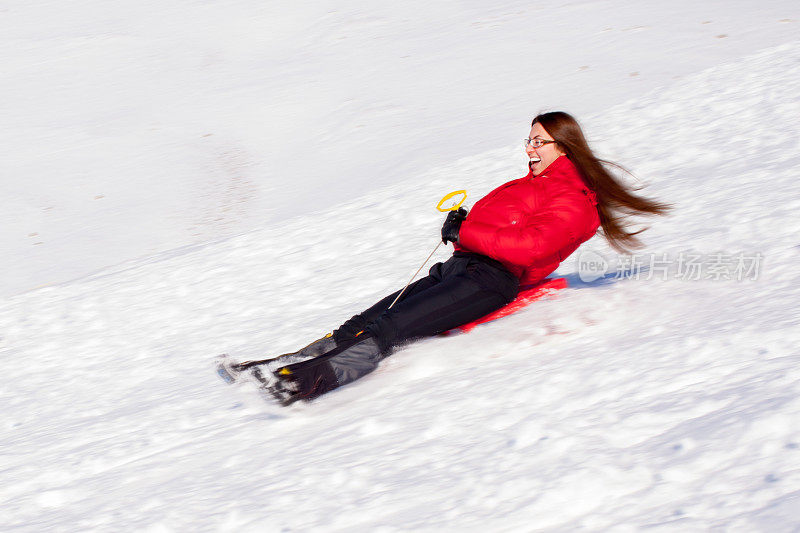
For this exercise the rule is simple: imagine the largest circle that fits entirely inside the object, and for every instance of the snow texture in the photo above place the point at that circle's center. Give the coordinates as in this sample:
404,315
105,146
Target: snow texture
650,396
139,128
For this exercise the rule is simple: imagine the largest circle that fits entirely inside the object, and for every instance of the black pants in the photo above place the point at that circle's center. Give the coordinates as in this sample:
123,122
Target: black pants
460,290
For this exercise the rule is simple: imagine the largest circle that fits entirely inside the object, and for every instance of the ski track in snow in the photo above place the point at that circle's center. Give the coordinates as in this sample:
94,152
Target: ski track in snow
622,404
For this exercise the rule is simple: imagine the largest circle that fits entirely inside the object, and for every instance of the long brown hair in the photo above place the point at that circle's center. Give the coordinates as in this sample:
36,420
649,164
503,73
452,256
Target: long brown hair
615,200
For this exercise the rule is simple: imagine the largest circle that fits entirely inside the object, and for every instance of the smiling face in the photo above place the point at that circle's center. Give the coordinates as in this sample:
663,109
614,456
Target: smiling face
540,158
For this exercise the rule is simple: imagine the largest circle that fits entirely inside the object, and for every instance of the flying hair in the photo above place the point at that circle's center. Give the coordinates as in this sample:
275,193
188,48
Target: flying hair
615,200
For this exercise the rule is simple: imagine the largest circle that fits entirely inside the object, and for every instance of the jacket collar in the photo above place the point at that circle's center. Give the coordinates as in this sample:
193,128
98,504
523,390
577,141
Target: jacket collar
561,166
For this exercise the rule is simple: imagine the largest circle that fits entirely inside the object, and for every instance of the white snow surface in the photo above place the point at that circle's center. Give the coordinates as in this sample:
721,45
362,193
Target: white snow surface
138,126
640,401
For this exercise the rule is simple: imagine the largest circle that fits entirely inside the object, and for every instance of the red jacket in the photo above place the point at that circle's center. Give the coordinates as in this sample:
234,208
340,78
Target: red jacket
533,223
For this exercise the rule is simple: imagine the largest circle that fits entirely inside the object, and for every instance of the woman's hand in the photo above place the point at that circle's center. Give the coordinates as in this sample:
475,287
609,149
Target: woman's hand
452,225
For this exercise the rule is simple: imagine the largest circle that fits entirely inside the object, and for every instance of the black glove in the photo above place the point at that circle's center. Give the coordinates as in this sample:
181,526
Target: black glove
452,225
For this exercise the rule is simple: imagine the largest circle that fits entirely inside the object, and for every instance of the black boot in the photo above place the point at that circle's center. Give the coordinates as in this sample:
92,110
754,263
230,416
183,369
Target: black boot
309,379
316,348
232,372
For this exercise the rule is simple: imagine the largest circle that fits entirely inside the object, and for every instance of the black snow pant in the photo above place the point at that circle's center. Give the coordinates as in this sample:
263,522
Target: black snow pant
462,289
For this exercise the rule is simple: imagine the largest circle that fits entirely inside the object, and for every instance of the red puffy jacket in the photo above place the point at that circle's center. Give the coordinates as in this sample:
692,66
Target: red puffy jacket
533,223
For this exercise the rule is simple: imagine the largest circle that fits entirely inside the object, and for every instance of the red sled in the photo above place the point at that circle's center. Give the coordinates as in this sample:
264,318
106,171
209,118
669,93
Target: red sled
526,295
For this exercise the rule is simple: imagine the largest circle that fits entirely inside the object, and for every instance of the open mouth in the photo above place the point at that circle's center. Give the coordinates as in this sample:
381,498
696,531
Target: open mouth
533,161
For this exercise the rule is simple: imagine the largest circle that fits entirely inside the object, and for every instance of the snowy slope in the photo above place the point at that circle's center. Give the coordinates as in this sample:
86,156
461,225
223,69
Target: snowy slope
139,126
636,401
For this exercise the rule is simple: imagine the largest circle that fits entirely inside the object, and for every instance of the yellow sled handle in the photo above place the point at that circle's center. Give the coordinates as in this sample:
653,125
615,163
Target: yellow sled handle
456,204
450,197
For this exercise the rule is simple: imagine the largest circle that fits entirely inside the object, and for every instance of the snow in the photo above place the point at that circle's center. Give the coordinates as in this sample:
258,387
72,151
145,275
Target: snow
139,129
640,399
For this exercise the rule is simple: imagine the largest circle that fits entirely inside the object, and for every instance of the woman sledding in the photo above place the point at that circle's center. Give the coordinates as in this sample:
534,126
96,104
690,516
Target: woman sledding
514,236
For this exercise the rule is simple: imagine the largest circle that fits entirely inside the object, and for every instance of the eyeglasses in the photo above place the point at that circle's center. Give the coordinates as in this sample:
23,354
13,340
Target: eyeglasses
537,143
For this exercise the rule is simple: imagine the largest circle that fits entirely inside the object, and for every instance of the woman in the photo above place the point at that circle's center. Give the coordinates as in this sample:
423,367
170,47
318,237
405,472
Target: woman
516,235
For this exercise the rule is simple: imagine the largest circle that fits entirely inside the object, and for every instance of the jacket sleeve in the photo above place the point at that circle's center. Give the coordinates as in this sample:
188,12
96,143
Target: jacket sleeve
541,234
